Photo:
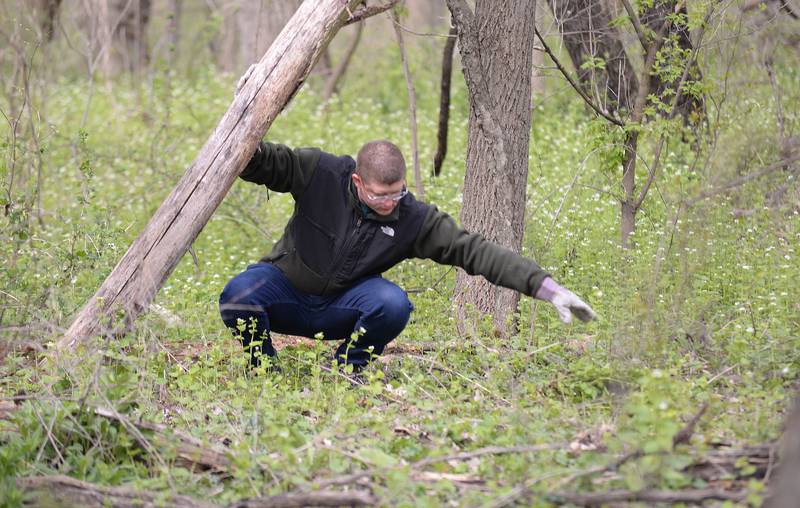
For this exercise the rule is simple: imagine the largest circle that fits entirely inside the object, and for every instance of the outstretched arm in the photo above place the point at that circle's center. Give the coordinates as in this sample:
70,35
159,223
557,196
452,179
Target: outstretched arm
441,240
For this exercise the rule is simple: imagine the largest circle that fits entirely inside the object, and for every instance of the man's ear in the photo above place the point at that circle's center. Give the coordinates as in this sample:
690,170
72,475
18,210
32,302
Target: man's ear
357,178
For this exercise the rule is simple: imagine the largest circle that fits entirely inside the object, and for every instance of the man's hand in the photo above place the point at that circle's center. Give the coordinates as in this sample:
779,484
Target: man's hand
565,301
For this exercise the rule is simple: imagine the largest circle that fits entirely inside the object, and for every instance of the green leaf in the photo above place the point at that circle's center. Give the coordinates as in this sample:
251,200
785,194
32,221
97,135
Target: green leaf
377,457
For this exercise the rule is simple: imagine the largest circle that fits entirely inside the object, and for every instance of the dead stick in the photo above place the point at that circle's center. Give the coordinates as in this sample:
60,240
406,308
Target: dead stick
66,491
645,496
350,479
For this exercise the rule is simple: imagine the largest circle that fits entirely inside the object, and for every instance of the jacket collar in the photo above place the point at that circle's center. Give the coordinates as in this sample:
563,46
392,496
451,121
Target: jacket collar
366,211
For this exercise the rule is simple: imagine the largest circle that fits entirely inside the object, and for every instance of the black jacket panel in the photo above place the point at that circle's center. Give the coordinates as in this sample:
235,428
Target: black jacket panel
331,242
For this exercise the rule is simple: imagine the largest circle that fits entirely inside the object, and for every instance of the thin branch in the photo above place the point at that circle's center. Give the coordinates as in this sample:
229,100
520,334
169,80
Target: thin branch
412,107
637,24
651,174
742,180
424,34
574,85
433,286
365,12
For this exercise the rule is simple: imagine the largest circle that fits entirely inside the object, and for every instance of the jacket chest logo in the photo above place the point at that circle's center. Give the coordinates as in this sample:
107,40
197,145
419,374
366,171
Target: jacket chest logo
387,230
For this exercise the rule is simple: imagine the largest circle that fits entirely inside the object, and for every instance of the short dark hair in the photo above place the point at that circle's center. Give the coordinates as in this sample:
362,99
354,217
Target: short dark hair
380,161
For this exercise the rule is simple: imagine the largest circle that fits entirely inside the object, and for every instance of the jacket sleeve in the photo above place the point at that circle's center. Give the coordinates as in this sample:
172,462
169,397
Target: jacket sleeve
280,168
441,240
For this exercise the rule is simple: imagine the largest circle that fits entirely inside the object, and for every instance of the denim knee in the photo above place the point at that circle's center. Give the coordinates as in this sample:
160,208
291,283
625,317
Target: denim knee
236,298
393,307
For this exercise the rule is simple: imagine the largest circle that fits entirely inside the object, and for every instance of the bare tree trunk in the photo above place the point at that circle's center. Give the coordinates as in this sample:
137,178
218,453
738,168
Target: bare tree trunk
496,45
444,100
133,283
629,208
333,81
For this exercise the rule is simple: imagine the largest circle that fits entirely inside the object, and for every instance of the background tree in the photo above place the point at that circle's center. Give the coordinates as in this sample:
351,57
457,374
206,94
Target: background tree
666,84
496,46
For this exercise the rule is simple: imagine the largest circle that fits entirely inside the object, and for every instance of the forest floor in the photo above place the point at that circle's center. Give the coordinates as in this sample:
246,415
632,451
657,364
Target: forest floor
677,393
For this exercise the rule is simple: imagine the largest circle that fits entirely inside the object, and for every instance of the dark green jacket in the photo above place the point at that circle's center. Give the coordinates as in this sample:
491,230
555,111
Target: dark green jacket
331,242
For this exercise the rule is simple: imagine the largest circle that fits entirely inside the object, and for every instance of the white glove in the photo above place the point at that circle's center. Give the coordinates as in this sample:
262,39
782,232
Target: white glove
565,301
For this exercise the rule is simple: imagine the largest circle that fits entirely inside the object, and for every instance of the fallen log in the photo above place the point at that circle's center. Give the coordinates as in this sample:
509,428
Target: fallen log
64,491
141,272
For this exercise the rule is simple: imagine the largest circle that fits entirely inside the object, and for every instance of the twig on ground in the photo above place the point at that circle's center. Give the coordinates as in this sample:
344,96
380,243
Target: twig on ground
415,466
462,376
645,496
88,495
523,490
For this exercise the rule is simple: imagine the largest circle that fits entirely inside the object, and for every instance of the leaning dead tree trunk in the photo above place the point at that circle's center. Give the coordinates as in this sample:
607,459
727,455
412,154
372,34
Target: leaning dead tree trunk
153,255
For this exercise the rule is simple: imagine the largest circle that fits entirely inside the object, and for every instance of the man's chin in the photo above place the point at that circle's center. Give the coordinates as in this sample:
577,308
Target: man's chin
384,212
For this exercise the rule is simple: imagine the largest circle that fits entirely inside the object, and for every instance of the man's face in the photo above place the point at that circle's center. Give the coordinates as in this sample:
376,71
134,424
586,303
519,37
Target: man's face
380,197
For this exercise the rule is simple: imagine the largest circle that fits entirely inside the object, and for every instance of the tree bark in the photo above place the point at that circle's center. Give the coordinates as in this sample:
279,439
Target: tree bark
787,487
133,283
496,45
444,101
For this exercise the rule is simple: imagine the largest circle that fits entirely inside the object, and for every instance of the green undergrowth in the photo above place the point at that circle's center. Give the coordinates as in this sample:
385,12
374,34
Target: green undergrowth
701,311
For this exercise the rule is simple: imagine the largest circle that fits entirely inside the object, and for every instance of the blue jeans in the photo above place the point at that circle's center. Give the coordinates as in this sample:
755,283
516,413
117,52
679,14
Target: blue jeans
264,300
